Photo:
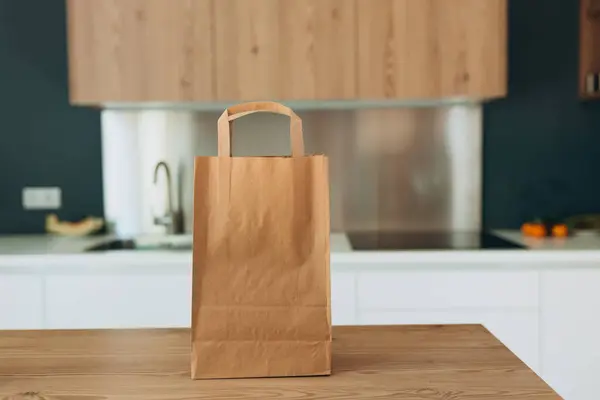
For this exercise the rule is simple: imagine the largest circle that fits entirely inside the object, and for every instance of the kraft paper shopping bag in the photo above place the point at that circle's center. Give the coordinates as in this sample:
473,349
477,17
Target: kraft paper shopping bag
261,286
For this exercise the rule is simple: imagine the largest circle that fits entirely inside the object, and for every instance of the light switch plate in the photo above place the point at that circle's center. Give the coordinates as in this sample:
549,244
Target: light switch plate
41,198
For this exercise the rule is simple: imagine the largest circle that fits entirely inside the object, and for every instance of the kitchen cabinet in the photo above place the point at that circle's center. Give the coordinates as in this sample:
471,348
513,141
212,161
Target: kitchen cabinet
118,301
21,301
238,50
144,300
432,49
449,289
589,49
343,298
293,50
570,327
140,50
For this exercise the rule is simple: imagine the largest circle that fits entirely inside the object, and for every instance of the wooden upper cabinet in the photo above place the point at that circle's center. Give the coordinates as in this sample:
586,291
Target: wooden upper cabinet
589,49
285,49
422,49
239,50
140,50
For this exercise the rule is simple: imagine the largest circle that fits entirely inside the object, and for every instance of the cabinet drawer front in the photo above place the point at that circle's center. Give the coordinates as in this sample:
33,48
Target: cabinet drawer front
448,289
94,302
21,302
78,302
343,298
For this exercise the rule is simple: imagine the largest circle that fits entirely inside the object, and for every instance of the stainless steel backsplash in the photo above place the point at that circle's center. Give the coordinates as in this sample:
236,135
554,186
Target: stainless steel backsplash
391,169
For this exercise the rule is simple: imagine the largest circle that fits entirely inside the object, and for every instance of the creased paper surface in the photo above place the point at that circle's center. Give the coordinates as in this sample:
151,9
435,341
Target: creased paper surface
261,286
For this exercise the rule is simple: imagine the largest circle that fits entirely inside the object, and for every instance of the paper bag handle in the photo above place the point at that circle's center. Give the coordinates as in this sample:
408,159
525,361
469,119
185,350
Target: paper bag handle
241,110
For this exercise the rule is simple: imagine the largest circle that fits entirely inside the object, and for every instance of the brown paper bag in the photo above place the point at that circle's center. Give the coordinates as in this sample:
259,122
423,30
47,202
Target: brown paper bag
261,289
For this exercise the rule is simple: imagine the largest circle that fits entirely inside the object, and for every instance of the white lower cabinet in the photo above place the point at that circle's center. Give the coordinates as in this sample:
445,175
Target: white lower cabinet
118,301
21,302
448,288
570,324
343,298
149,301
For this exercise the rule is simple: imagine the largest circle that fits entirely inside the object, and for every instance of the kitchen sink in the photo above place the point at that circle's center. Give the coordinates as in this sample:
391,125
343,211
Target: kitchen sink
147,243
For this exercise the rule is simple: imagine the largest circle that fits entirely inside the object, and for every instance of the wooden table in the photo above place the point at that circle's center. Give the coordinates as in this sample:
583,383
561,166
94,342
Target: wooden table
394,362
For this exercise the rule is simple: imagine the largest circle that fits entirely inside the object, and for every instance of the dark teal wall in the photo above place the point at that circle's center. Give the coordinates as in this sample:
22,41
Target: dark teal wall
541,144
43,140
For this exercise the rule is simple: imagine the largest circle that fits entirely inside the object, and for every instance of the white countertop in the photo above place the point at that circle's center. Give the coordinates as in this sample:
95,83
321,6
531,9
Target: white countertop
40,251
47,244
27,245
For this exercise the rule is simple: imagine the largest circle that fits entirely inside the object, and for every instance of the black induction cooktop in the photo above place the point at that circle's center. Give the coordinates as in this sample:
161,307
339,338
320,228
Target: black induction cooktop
429,241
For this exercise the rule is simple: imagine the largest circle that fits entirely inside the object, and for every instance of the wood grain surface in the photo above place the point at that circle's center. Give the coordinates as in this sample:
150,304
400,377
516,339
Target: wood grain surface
293,50
140,50
393,362
240,50
589,44
432,48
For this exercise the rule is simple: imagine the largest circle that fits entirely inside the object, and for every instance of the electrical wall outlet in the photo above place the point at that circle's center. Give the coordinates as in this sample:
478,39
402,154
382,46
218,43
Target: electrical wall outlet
41,198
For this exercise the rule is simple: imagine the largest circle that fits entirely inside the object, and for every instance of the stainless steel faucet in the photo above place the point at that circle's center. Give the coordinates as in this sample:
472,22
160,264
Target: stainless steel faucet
173,220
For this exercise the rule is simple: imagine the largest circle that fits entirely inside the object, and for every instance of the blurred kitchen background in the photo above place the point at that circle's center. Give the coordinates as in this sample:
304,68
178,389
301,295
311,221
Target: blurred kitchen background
412,169
463,165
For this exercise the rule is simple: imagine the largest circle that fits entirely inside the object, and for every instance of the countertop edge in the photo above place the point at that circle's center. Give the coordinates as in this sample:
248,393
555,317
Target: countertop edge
164,261
539,254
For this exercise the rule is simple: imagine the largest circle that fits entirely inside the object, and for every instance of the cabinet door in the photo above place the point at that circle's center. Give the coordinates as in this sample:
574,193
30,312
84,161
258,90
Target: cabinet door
422,287
570,327
343,298
118,301
285,50
432,48
21,303
140,50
